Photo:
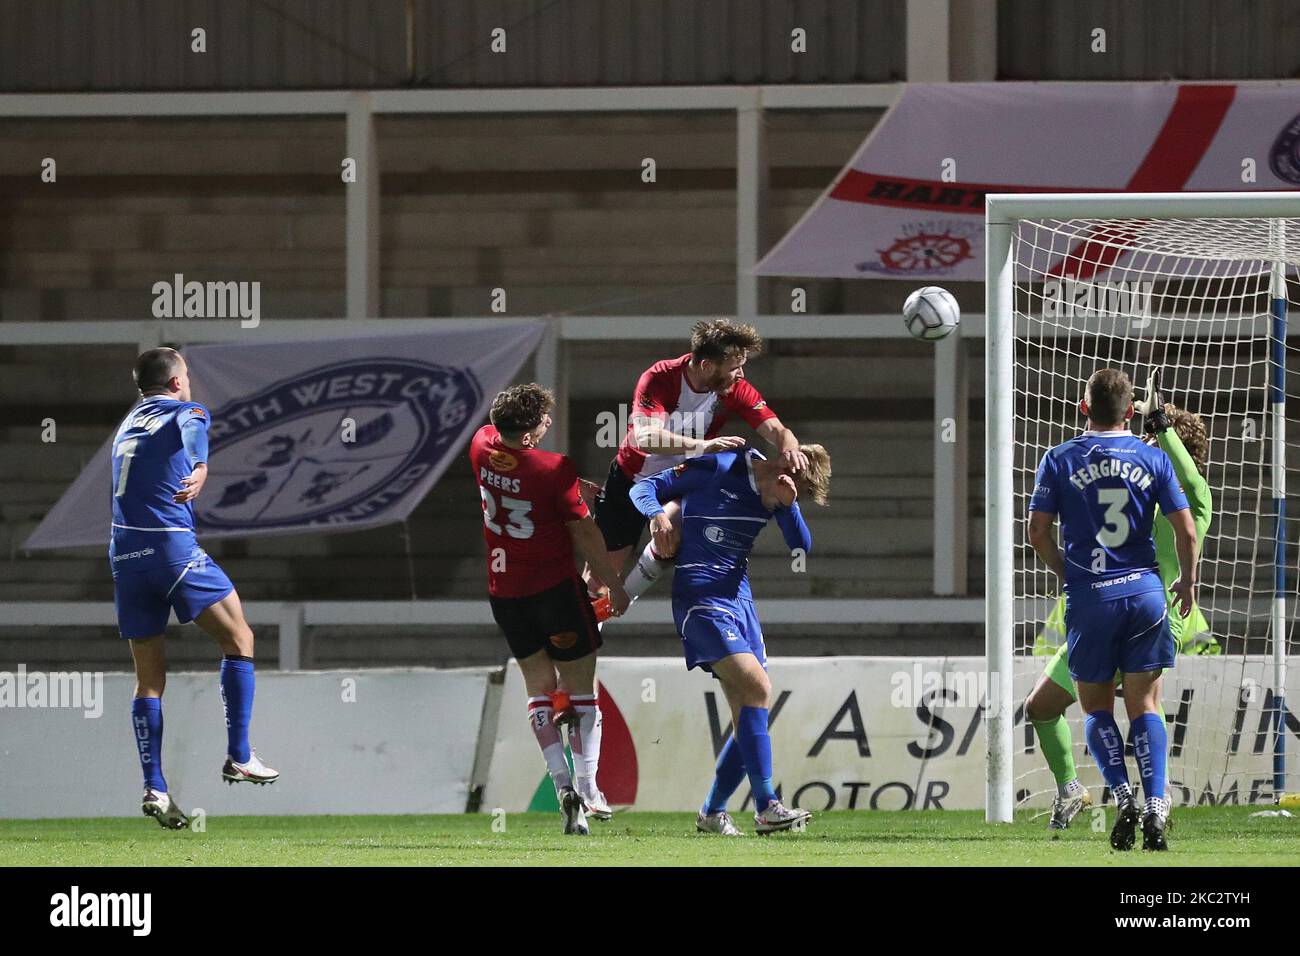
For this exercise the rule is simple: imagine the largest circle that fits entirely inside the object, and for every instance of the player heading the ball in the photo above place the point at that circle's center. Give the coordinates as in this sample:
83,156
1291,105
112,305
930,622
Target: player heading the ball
679,408
1105,484
160,455
533,520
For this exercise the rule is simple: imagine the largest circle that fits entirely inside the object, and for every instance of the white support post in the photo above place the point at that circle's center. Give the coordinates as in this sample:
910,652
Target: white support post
562,410
927,41
1278,624
291,628
362,211
973,39
951,456
751,200
999,502
150,336
549,367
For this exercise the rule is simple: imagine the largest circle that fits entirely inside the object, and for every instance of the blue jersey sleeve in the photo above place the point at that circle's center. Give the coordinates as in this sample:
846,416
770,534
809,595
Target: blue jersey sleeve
193,422
1171,497
790,521
1044,496
675,482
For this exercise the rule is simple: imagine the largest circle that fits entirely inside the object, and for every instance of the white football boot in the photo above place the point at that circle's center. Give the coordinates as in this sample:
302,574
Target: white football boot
719,823
159,805
1065,809
575,819
253,771
776,817
594,802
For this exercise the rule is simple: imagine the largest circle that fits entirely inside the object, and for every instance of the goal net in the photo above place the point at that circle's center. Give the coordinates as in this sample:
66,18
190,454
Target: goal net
1202,303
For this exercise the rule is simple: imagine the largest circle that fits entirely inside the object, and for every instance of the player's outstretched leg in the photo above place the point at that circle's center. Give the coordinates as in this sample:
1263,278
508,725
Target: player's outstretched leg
1105,743
541,719
729,772
540,683
150,659
747,688
1150,739
224,622
578,678
584,743
1107,746
650,566
647,570
1045,708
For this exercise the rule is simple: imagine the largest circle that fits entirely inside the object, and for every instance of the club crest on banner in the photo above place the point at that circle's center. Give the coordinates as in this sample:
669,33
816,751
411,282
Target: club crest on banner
1284,158
925,249
335,444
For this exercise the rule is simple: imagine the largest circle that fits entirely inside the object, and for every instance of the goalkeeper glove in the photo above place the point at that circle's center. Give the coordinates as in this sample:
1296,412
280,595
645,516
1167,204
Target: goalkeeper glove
1152,407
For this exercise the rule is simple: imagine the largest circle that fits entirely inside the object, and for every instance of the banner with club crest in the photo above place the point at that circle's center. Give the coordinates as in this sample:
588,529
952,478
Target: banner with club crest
321,435
910,203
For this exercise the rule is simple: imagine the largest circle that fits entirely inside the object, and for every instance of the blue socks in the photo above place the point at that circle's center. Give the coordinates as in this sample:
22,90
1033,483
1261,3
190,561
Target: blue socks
756,749
1150,739
1107,748
147,722
726,778
237,700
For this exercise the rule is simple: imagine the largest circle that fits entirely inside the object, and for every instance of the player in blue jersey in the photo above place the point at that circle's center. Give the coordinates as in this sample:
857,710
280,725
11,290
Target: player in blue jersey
160,455
726,500
1105,485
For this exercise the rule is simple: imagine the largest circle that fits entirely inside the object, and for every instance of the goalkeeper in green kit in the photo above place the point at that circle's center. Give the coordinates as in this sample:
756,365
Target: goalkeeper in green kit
1183,438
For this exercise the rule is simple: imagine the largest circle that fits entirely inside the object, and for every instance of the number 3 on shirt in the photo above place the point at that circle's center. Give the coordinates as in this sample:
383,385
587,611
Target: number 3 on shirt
519,525
1115,528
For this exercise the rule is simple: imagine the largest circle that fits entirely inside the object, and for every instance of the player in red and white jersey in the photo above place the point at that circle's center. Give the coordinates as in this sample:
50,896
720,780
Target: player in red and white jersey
533,520
679,409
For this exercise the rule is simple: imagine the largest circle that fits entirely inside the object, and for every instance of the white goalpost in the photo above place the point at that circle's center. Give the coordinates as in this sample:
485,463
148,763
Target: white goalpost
1192,287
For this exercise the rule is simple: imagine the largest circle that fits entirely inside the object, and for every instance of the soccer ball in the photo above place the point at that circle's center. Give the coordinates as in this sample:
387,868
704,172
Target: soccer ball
931,313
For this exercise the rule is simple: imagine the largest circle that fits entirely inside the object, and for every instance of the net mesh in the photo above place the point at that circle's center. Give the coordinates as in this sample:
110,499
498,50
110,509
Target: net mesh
1190,298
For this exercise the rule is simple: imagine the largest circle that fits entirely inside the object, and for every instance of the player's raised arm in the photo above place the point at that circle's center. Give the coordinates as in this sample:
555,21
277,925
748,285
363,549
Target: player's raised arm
813,482
653,437
1174,506
744,400
784,441
675,482
672,483
1188,476
1158,421
793,528
1187,471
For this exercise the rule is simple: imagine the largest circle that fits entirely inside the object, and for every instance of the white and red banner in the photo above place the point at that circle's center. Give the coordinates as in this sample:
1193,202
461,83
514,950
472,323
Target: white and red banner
360,741
910,203
881,733
322,435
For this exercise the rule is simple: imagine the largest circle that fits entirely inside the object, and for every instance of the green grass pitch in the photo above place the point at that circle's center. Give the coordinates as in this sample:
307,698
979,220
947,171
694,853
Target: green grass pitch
1204,836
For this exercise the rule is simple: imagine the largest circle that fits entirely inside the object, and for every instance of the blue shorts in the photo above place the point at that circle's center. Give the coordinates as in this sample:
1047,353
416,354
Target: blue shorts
712,628
1129,635
144,599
